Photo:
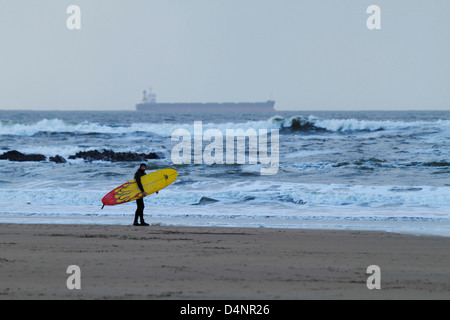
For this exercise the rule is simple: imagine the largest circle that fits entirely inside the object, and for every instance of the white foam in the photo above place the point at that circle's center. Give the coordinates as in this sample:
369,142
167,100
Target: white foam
267,216
164,129
247,203
358,125
313,195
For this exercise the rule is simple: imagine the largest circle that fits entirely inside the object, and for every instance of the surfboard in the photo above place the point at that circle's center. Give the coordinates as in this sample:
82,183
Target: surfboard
129,191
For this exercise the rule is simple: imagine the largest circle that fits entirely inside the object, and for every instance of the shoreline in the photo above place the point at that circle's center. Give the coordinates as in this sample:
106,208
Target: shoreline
169,262
413,228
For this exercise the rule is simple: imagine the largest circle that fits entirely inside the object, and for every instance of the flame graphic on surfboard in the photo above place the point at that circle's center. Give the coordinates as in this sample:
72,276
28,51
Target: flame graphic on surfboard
129,191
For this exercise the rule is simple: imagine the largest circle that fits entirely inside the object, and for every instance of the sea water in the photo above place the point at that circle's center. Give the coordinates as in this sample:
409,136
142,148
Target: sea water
367,170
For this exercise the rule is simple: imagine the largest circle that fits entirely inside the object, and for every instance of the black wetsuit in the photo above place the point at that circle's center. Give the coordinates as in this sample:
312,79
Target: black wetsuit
140,202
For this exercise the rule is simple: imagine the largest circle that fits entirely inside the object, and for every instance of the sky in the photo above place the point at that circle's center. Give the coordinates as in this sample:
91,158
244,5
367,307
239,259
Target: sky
304,54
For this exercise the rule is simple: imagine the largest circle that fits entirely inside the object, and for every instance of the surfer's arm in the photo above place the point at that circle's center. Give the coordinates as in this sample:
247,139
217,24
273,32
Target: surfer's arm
139,183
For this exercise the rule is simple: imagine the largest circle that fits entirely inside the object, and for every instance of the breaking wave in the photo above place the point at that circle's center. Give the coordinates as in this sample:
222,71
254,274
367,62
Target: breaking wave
292,124
311,123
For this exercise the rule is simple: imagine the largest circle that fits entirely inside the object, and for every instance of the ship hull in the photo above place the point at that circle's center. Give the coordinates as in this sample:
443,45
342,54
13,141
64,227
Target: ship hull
207,107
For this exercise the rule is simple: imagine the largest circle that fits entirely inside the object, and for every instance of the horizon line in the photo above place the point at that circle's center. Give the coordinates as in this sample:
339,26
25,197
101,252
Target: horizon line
276,110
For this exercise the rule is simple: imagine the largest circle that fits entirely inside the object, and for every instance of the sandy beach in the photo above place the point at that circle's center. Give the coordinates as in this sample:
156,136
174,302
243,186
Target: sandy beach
126,262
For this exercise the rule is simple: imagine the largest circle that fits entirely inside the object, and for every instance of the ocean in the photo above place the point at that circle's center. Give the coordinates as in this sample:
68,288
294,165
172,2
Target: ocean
366,170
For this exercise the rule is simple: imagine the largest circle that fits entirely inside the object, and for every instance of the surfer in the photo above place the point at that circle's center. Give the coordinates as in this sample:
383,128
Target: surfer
140,202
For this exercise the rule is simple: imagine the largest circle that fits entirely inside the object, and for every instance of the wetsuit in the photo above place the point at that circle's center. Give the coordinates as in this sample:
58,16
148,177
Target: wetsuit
140,202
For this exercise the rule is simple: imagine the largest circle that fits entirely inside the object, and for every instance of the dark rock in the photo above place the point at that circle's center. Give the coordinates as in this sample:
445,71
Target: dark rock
58,159
18,156
109,155
300,124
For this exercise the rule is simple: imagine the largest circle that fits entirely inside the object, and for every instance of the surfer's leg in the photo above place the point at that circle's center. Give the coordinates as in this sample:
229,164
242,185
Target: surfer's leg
136,216
139,211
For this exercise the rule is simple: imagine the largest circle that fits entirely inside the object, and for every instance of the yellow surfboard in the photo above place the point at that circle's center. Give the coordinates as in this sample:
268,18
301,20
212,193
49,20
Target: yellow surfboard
152,182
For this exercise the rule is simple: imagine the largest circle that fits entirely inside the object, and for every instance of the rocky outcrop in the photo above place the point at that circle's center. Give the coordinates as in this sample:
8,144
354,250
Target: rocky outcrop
58,159
95,155
109,155
18,156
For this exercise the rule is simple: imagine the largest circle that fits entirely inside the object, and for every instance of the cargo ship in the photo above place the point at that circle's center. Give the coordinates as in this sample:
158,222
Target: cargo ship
149,104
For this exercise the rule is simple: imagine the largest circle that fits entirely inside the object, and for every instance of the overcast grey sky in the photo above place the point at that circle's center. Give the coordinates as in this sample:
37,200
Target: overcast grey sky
305,54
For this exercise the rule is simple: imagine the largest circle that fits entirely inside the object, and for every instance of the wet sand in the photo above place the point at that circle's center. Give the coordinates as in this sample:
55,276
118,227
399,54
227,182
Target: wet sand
126,262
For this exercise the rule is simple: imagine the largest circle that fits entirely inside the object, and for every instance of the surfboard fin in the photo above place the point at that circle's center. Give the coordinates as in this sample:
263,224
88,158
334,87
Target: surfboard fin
103,207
